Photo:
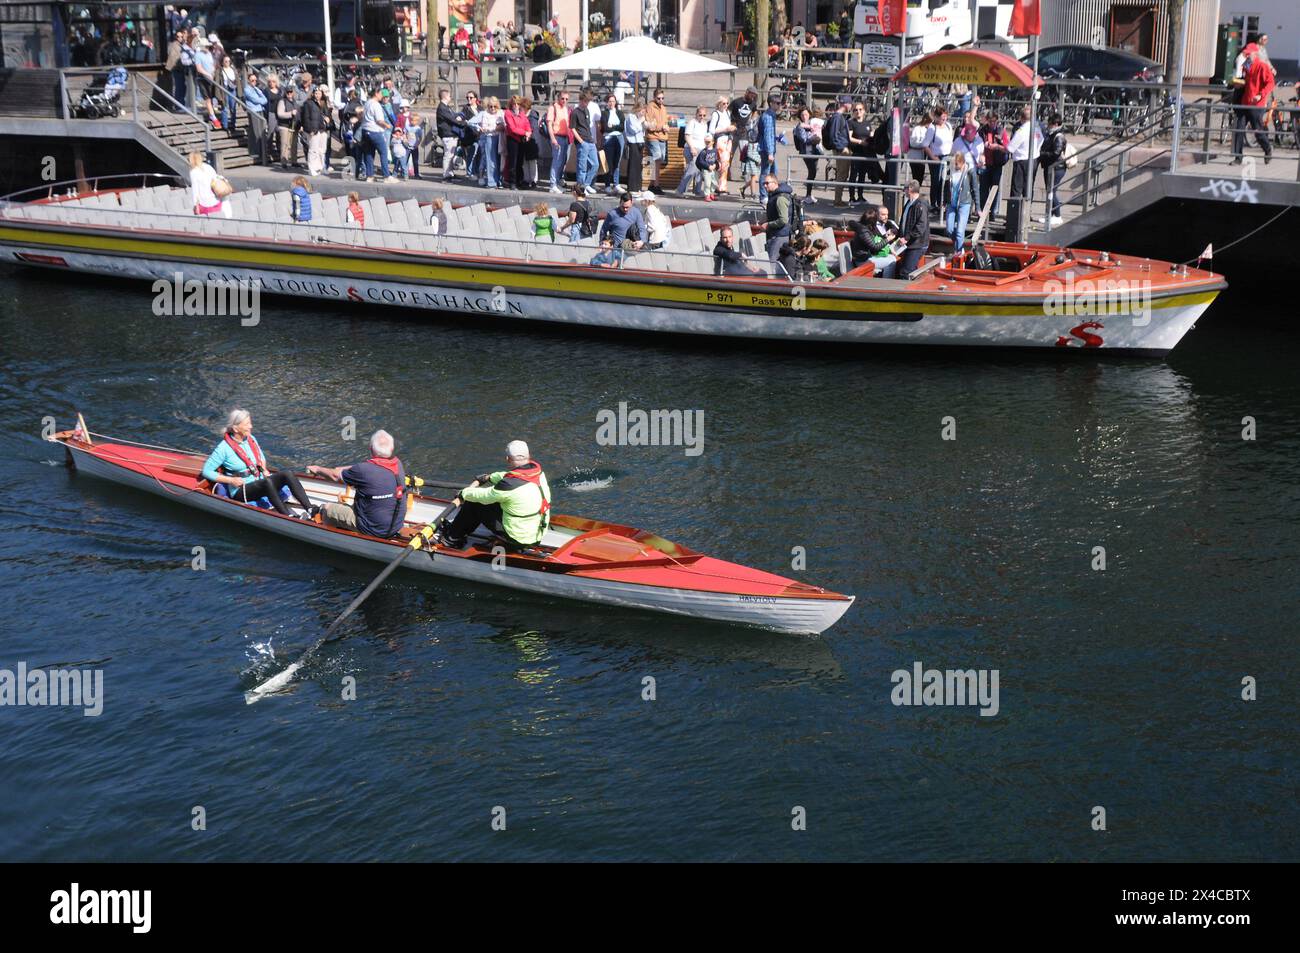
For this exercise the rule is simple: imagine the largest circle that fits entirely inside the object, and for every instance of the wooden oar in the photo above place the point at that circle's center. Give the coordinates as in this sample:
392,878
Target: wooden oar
984,216
277,682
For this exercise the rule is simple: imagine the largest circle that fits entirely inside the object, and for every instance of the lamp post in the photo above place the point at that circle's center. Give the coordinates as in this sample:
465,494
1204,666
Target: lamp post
1178,97
329,47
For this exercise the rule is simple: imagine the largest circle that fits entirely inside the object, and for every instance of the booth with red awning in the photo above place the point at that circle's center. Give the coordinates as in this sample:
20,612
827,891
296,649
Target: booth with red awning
973,67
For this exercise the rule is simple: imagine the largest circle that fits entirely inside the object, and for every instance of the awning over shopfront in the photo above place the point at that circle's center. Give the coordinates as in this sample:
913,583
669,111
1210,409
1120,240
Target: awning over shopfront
973,67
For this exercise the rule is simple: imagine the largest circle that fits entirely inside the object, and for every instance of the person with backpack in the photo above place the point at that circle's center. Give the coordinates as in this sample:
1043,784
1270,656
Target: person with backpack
741,114
581,221
784,217
557,130
1052,158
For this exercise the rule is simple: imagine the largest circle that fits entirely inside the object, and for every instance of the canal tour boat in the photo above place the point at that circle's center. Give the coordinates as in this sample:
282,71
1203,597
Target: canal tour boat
580,559
488,265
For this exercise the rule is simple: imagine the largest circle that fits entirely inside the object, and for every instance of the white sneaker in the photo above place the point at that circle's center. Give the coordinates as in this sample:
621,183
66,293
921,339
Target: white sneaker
1056,220
591,191
555,190
391,179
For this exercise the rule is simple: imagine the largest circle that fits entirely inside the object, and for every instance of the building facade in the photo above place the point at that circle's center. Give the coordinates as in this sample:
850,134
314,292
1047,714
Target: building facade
1139,26
1280,19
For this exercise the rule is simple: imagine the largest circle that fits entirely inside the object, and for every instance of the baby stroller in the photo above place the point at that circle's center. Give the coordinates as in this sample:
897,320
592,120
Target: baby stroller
101,102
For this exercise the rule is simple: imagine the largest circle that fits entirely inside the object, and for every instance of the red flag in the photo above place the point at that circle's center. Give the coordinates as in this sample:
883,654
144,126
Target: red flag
893,16
1026,19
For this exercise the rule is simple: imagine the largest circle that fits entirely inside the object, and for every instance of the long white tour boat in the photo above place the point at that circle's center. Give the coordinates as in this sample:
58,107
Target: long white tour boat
487,265
581,559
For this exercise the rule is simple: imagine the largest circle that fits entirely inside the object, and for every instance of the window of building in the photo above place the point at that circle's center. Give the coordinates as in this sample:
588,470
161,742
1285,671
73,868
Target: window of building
27,36
106,34
1247,23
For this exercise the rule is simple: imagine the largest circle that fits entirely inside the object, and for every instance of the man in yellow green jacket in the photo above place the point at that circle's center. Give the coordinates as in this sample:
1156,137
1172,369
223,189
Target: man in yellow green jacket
514,503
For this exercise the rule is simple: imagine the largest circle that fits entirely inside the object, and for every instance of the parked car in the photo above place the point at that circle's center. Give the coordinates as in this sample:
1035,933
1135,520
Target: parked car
1106,64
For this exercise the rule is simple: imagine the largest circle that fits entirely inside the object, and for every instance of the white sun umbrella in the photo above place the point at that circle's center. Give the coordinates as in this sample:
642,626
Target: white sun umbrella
636,54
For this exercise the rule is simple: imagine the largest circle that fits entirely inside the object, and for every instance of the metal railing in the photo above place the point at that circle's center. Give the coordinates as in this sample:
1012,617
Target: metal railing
73,187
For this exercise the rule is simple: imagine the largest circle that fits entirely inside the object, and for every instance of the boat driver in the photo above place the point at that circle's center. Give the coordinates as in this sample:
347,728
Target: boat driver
514,503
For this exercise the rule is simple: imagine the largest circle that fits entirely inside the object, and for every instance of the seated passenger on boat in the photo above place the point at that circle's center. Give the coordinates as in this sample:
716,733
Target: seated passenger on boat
624,223
514,503
873,238
237,468
608,256
727,260
379,491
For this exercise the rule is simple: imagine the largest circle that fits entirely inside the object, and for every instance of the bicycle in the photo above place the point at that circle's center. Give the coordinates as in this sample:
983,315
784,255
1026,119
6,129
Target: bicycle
793,99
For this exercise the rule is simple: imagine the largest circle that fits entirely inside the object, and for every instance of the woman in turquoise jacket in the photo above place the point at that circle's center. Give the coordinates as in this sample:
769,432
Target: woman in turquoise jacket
239,464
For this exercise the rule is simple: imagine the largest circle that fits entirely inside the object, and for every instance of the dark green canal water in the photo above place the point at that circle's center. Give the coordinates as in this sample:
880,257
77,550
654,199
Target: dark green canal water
1119,688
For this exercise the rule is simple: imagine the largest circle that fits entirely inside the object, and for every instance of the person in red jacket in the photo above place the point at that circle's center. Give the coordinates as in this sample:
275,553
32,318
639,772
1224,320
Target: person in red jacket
1258,86
518,131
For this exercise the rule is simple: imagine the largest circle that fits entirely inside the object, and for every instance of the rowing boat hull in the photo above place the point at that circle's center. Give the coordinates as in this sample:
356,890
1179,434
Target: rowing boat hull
630,301
801,616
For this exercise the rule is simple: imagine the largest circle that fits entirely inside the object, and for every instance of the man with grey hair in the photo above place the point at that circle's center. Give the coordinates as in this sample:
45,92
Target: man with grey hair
514,503
379,488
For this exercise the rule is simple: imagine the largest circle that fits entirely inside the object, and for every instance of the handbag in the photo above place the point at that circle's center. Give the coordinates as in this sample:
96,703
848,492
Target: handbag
221,187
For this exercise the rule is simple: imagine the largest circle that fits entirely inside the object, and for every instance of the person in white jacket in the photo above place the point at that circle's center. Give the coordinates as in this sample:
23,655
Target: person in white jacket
658,225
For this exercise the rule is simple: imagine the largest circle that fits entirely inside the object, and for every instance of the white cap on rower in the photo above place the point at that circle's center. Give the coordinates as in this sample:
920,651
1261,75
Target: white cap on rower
517,450
381,443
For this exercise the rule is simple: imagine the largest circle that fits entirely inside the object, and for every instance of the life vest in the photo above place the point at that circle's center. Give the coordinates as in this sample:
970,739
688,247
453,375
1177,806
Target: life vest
257,465
531,472
393,466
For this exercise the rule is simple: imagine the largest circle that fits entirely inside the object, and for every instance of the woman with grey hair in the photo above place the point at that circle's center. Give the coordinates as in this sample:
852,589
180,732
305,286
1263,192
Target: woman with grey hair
239,465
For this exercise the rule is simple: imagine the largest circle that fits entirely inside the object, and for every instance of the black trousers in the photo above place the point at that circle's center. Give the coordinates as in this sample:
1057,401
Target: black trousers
1018,205
269,487
858,176
634,166
514,163
810,162
910,261
473,515
1249,116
